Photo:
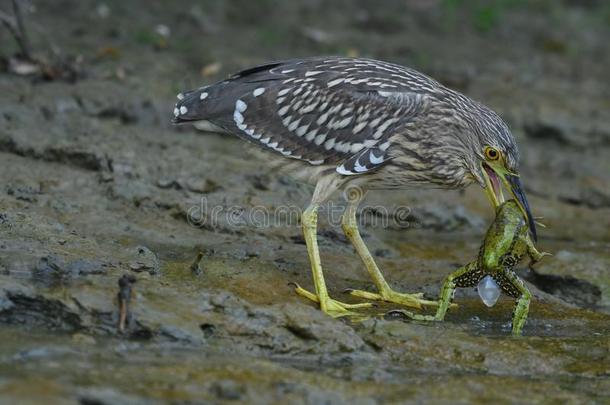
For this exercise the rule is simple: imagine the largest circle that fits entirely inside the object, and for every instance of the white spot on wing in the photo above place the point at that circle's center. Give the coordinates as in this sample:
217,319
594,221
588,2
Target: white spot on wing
180,96
258,92
335,108
309,108
375,122
383,127
342,147
360,127
203,95
183,110
343,123
293,125
240,106
283,110
341,170
176,112
356,147
359,168
301,130
237,117
374,159
322,119
319,139
297,105
335,82
312,134
369,143
313,72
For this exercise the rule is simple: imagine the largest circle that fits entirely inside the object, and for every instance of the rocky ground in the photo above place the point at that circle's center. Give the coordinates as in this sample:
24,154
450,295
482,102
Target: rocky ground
96,184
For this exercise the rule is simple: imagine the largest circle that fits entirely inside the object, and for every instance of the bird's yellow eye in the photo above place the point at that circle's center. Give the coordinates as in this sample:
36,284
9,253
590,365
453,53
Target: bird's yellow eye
491,153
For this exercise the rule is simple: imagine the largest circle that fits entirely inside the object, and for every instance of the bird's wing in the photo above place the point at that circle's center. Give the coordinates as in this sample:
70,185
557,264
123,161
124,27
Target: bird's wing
335,111
364,161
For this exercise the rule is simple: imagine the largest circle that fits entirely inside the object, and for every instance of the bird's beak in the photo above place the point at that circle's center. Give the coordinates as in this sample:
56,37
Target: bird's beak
495,177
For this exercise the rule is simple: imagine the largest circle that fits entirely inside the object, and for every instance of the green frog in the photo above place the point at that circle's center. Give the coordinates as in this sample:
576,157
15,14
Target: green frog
506,242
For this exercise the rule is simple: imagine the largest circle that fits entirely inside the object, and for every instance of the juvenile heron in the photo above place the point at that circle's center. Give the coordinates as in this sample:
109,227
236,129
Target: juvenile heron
341,122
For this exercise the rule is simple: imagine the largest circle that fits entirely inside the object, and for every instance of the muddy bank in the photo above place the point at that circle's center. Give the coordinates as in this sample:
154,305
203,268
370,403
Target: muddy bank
95,184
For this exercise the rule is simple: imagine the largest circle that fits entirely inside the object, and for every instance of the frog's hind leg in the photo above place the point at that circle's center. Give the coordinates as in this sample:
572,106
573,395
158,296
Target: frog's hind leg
514,287
463,277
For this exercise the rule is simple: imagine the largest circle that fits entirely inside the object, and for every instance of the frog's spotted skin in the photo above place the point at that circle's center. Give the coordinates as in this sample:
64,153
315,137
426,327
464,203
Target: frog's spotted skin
507,241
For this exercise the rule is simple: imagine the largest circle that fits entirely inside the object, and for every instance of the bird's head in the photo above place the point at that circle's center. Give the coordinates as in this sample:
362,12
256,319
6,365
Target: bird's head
495,164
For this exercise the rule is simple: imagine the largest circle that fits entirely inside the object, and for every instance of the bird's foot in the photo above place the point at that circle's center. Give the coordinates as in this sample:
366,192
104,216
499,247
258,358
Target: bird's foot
331,306
410,300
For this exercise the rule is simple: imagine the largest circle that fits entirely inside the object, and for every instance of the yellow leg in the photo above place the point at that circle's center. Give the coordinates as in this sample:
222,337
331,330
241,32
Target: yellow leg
385,292
330,306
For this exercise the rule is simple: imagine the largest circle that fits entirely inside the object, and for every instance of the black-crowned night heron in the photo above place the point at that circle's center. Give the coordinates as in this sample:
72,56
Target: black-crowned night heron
341,122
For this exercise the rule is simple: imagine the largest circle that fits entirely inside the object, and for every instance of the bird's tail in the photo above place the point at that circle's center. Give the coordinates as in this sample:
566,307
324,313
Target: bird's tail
196,105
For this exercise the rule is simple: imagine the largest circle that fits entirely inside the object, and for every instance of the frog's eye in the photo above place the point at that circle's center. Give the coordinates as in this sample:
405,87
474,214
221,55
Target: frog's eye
491,153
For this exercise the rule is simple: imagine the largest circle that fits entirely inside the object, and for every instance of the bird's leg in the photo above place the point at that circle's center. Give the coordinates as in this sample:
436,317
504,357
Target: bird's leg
385,292
447,290
332,307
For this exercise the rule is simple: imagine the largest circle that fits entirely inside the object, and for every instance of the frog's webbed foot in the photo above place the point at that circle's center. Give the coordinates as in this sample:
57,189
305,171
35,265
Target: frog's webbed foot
444,303
533,253
536,257
411,315
537,221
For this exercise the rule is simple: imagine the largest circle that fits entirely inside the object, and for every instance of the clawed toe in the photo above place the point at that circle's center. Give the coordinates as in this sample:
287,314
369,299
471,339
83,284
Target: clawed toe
331,306
410,300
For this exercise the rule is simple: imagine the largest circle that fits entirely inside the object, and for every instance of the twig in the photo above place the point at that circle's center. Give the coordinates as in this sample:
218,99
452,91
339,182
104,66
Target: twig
16,27
195,268
124,296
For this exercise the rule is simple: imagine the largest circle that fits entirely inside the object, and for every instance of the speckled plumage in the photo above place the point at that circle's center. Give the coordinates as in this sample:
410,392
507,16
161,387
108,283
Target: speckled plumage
390,125
341,122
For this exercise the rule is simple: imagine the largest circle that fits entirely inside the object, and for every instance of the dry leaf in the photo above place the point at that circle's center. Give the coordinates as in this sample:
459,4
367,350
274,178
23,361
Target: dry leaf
211,69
